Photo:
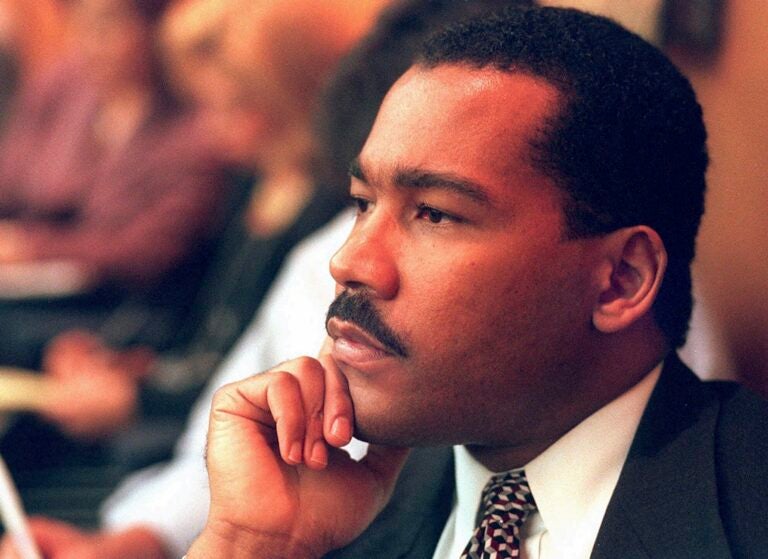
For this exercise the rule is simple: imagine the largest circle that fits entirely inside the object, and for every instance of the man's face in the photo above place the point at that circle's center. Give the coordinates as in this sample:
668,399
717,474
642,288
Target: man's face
459,252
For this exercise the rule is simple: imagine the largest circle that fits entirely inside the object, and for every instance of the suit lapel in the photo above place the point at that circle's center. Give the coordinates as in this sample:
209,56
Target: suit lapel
665,503
411,524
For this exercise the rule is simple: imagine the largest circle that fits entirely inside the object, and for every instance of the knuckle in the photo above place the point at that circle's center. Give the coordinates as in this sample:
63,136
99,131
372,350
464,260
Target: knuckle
283,380
306,372
300,367
306,366
315,414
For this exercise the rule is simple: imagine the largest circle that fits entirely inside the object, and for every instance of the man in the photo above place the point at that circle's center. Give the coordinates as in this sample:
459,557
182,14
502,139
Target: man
160,510
515,284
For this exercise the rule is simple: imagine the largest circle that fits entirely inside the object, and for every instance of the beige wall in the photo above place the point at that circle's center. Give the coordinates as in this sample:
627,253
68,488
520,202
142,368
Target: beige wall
639,16
732,264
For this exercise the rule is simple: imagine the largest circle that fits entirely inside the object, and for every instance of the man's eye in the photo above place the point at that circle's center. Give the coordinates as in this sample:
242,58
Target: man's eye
361,204
433,215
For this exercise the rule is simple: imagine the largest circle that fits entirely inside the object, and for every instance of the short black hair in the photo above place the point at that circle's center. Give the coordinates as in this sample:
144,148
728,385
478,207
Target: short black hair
627,144
351,100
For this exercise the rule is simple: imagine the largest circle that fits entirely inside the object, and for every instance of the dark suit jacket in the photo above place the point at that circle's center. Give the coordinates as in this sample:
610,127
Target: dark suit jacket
694,484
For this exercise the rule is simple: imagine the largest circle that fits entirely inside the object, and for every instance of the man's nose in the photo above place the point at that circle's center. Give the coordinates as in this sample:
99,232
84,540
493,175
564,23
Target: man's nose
367,260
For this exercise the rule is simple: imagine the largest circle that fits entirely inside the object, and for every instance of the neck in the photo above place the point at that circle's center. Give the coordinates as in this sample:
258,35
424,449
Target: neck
610,372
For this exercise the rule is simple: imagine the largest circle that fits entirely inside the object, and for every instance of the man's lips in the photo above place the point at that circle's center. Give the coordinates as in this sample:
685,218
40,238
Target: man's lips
353,345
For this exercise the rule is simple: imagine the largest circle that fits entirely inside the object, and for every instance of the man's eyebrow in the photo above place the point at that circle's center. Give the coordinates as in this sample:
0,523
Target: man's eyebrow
420,179
423,179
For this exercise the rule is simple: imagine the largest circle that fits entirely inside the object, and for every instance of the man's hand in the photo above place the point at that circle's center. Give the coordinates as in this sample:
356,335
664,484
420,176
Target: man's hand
280,487
96,386
58,540
74,350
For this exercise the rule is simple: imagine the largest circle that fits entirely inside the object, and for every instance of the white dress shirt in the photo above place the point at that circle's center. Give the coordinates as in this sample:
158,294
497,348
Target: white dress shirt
172,500
572,482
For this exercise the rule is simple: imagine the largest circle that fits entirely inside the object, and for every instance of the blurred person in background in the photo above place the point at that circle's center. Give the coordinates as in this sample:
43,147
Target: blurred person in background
244,121
158,511
109,187
96,388
106,176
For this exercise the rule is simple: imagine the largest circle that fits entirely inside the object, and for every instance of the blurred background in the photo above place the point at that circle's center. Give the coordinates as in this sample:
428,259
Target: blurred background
722,45
159,158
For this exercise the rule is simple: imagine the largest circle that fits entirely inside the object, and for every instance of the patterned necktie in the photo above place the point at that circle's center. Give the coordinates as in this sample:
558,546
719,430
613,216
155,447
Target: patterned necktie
506,502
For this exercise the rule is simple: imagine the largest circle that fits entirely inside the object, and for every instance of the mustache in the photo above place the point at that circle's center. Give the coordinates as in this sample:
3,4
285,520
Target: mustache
358,309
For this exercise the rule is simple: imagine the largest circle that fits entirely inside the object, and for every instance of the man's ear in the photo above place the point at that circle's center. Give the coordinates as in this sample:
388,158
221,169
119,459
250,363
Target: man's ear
629,282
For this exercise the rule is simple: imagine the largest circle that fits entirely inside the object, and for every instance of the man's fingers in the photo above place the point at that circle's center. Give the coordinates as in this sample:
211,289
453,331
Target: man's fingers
310,374
283,402
339,413
271,400
288,399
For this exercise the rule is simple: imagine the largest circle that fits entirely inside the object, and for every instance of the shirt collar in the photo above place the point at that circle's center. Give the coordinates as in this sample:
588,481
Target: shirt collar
572,481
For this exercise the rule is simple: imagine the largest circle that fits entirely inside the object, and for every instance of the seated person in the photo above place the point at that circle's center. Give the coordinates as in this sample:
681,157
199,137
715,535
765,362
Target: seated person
512,295
98,114
109,187
253,127
95,389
